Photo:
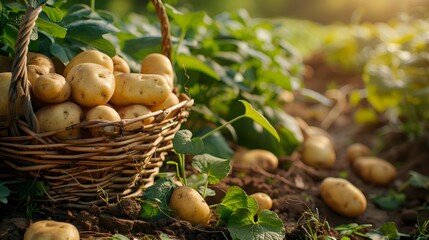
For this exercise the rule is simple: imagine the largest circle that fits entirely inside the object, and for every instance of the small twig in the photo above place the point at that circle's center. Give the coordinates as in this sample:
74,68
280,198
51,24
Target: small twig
207,231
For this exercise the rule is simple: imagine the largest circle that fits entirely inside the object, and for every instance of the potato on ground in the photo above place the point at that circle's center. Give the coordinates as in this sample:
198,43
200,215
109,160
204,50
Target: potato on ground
375,170
187,204
318,151
355,151
40,60
91,84
136,88
120,65
102,112
264,201
156,63
51,230
134,111
59,116
89,56
343,197
35,71
51,88
257,158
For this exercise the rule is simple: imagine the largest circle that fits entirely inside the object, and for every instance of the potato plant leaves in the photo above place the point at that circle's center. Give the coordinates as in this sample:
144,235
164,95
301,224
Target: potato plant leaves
257,117
156,199
269,226
389,201
215,168
418,180
4,193
235,199
184,143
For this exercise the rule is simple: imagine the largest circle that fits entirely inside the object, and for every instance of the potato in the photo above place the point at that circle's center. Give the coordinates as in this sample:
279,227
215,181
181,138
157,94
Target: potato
120,65
343,197
156,63
318,151
258,158
264,201
136,88
133,111
51,88
89,56
356,150
5,64
5,79
59,116
51,230
101,112
35,71
375,170
169,102
40,60
187,204
91,84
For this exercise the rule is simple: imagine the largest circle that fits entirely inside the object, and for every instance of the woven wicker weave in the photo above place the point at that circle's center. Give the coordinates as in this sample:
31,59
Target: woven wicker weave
83,172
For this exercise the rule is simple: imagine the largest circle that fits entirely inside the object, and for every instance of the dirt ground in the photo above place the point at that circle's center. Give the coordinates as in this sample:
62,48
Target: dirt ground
294,187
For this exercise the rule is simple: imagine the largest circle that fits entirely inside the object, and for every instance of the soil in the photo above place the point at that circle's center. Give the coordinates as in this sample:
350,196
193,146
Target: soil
294,187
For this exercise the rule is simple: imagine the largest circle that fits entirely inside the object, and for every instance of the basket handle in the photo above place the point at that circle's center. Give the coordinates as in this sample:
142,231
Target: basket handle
20,88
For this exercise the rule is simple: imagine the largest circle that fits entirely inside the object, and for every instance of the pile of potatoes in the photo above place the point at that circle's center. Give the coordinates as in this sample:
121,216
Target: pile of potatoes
94,86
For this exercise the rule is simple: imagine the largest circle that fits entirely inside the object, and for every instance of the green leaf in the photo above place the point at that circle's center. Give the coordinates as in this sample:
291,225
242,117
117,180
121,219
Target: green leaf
261,120
142,46
418,180
4,193
390,201
234,199
101,44
53,13
59,52
387,231
90,29
184,143
51,28
215,168
215,144
156,199
118,236
269,226
184,20
191,62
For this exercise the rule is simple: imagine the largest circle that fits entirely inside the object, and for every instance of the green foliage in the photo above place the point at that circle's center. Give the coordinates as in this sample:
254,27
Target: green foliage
387,231
352,229
156,199
389,201
4,193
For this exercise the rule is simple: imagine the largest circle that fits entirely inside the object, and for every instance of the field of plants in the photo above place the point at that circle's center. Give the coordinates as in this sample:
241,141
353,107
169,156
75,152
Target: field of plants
297,130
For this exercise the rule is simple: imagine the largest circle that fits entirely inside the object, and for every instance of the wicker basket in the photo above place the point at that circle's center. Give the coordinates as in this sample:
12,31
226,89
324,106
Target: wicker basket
83,172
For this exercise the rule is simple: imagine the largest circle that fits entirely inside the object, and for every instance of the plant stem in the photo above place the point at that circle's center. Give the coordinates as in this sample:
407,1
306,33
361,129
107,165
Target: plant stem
222,126
182,169
205,187
93,5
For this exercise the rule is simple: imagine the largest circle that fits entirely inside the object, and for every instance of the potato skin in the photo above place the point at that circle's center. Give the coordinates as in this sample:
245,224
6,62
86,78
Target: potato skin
40,60
5,64
136,88
5,78
318,151
169,102
375,170
35,71
91,84
89,56
120,65
51,88
264,201
133,111
189,205
343,197
51,230
355,151
101,112
156,63
258,158
59,116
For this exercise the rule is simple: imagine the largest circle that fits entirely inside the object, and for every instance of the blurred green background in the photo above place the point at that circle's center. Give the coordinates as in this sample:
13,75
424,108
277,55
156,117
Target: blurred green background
322,11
